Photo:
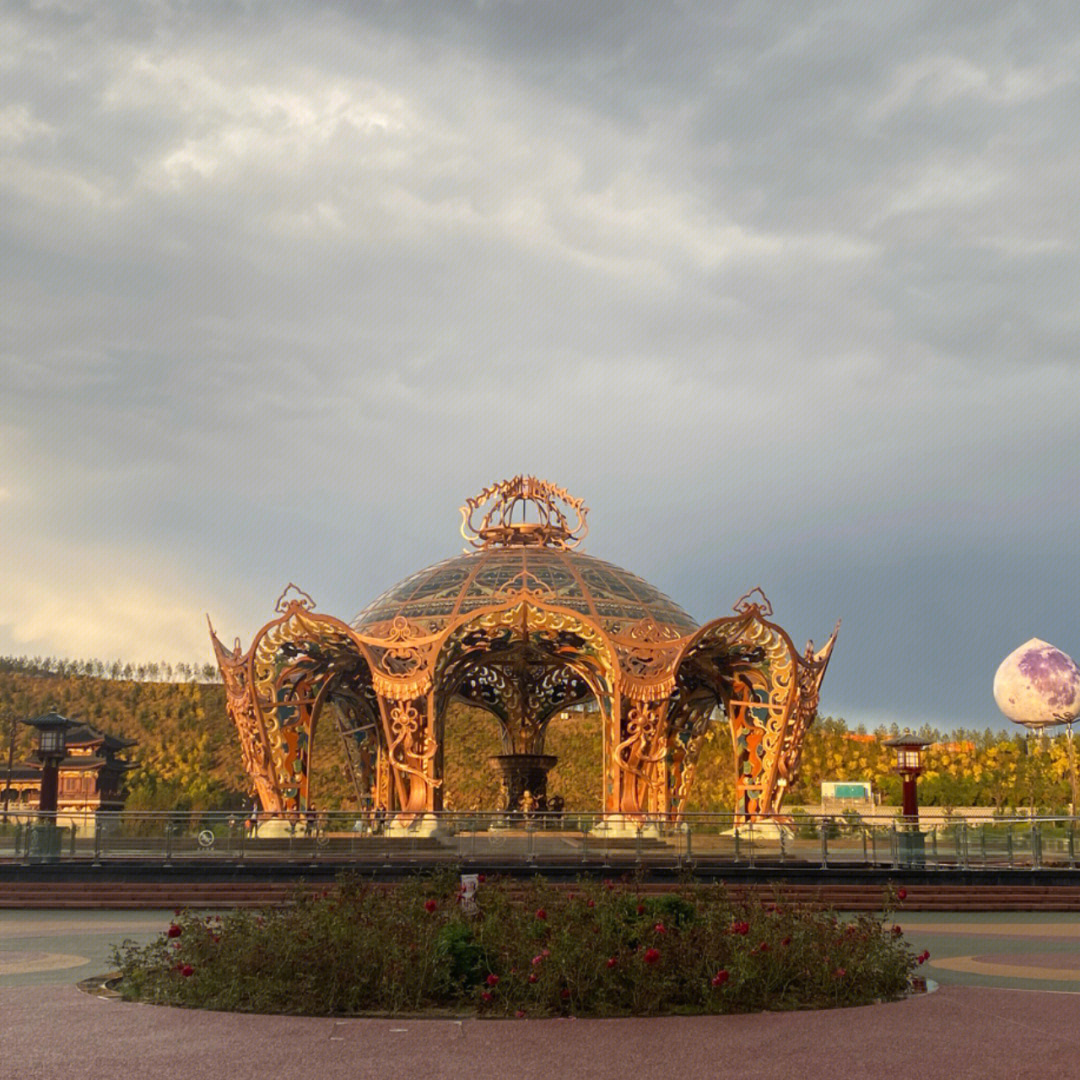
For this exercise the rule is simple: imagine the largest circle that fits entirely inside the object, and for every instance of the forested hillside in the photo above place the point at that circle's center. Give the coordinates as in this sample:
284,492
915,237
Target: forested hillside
188,756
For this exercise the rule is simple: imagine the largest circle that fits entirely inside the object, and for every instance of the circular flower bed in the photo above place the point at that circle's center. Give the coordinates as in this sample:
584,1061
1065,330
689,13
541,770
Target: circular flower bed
518,949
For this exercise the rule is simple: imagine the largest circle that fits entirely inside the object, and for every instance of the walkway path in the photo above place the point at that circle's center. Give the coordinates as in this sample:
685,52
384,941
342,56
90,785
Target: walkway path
978,1025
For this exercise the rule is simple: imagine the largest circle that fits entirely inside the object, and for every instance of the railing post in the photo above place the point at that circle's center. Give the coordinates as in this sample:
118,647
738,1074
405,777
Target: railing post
1036,846
168,840
824,830
1072,843
895,846
736,836
1009,846
780,832
862,830
873,845
73,831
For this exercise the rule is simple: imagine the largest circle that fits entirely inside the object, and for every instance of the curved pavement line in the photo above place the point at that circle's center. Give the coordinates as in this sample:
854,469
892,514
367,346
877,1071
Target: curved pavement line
1062,929
973,966
14,963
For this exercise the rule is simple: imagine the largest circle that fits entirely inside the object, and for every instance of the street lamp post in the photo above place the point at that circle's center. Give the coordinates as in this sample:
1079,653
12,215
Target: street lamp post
909,748
13,726
52,729
908,764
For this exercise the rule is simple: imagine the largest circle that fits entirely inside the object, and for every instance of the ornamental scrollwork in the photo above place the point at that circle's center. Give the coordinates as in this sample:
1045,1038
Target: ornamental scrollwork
522,626
293,595
560,516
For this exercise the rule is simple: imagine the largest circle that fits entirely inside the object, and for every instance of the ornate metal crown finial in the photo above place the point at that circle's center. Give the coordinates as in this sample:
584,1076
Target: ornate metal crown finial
293,594
560,517
747,601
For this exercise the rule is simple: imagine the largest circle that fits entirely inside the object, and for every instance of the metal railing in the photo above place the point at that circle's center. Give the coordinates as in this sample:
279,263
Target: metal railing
703,840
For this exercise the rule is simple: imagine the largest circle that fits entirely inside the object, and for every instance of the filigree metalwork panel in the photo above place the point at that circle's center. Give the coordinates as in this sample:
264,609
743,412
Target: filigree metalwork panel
523,626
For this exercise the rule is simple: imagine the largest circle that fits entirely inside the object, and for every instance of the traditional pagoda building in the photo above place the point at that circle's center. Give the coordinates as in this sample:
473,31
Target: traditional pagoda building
91,776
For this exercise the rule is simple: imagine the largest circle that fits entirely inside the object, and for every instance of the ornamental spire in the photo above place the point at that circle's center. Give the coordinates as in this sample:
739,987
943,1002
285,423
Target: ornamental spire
559,518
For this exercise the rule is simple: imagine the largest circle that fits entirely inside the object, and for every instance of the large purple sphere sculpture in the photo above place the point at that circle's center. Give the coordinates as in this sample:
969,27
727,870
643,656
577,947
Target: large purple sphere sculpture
1038,686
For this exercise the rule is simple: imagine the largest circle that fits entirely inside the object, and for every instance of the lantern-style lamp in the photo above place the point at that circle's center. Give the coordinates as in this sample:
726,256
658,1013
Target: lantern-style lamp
52,729
909,749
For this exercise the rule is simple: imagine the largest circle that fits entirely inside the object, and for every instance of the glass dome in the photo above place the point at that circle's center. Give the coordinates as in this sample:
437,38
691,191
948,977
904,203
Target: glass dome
612,597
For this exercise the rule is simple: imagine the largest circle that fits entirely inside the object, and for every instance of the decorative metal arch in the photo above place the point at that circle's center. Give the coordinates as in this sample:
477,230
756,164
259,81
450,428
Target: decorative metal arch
522,655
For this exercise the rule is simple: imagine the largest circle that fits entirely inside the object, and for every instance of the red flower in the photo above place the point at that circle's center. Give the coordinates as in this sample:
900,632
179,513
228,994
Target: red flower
541,913
430,905
538,959
659,928
481,878
486,996
590,903
896,931
492,980
651,956
520,1014
740,928
611,961
763,947
839,973
901,893
187,970
641,909
786,942
533,977
564,994
174,930
570,896
720,978
923,956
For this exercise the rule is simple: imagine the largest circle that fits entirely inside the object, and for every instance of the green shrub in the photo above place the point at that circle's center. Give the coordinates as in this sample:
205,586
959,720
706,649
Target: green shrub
524,949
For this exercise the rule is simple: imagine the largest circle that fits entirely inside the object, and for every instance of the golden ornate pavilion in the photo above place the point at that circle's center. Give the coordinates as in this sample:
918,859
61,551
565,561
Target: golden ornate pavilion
524,625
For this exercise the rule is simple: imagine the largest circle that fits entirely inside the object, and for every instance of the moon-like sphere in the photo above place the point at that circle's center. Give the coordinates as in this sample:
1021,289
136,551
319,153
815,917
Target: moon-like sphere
1038,685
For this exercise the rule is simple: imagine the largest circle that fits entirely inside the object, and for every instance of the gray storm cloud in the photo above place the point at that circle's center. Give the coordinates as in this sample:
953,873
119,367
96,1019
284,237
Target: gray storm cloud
786,293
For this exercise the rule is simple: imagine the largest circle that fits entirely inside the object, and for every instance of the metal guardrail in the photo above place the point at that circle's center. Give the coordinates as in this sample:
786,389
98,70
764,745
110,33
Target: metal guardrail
813,840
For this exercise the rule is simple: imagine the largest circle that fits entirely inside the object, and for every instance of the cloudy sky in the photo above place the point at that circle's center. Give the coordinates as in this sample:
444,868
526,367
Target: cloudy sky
787,292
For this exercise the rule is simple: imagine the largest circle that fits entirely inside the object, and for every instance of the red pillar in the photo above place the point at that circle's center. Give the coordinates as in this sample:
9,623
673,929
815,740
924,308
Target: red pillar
50,783
911,800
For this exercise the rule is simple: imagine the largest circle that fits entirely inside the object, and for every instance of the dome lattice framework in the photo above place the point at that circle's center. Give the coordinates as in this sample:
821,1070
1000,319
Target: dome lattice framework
522,626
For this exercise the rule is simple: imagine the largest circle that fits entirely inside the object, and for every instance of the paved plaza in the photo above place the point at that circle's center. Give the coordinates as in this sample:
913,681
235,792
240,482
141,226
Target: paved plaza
1007,1005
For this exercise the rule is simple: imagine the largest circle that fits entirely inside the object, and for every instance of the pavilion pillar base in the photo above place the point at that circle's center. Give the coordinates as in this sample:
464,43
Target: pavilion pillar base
278,827
415,825
621,826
